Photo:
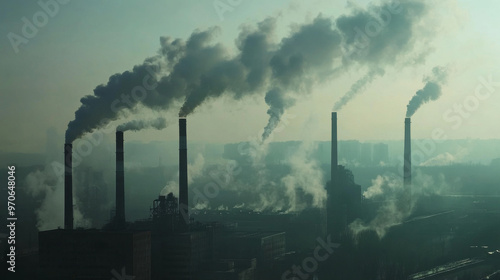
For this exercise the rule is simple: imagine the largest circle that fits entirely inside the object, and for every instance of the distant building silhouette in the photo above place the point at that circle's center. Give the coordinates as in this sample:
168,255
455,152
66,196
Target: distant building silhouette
380,153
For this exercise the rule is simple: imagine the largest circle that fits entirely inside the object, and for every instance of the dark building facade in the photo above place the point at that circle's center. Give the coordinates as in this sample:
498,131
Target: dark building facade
343,203
240,269
94,254
179,256
344,196
265,247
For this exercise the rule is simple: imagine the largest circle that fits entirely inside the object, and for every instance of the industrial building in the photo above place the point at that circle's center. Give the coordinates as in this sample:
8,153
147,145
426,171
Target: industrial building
344,195
239,245
169,245
265,246
94,254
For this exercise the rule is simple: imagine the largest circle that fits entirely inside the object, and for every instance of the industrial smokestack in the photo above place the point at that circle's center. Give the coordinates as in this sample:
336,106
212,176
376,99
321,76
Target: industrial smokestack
407,163
407,154
334,159
183,176
333,221
120,180
68,186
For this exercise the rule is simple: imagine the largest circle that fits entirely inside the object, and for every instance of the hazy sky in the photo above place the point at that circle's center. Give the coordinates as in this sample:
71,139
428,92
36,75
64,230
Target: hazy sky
85,42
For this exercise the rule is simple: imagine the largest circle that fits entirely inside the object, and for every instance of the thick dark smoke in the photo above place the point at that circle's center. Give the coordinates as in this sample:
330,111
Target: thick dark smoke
197,70
378,37
304,58
243,74
278,102
431,90
109,100
290,66
136,125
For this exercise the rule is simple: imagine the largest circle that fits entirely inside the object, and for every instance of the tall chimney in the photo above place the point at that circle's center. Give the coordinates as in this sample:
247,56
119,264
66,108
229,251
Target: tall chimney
183,176
334,201
68,186
407,154
334,159
120,180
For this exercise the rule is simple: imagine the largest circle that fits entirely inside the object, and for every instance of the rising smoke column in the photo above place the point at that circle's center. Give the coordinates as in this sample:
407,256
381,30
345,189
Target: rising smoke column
302,59
277,102
378,37
388,189
357,87
431,90
307,176
136,125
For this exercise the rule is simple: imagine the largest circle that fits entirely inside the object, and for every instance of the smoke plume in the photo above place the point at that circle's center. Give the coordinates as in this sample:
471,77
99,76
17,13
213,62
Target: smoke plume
49,188
306,176
378,37
389,189
195,70
358,86
122,92
277,102
431,90
135,125
46,184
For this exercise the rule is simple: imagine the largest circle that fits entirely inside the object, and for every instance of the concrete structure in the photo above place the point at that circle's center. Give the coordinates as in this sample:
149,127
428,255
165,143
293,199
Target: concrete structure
179,256
407,153
334,151
264,246
183,177
120,181
68,186
407,165
344,196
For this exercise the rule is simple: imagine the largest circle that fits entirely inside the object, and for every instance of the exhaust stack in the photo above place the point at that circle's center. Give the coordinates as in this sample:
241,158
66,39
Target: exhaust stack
407,165
120,180
183,176
334,159
68,186
407,154
334,208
